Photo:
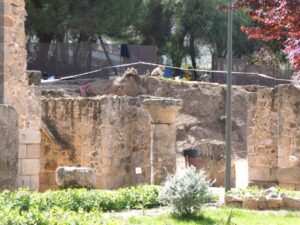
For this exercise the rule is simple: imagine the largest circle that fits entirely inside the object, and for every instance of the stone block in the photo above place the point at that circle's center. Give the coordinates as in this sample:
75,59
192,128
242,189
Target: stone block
233,199
24,181
34,183
30,136
163,110
290,175
19,167
75,177
282,151
262,174
262,160
291,203
283,161
255,203
33,151
30,166
274,203
22,152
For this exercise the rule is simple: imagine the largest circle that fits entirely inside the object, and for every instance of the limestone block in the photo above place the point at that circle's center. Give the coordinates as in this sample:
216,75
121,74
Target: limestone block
291,203
286,161
33,151
163,110
283,161
290,175
233,200
255,202
274,203
22,151
282,150
262,160
262,174
30,166
34,182
30,136
24,181
75,177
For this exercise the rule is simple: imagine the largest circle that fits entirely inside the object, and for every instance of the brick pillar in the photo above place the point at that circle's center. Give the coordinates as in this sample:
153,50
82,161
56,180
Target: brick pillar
15,91
163,136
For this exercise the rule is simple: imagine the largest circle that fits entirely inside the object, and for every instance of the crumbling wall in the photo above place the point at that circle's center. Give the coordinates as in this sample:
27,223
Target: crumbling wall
15,91
201,121
109,134
274,137
9,141
288,143
265,126
262,137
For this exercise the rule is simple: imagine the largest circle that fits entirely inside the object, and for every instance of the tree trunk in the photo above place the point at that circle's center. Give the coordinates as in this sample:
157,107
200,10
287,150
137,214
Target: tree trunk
82,37
107,55
192,52
43,50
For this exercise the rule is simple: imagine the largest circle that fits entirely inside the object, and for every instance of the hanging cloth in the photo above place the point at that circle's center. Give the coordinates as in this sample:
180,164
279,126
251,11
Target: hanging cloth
125,50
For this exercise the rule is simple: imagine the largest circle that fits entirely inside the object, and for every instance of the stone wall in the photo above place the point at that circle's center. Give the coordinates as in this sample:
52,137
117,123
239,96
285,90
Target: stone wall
15,90
265,126
109,134
8,147
274,137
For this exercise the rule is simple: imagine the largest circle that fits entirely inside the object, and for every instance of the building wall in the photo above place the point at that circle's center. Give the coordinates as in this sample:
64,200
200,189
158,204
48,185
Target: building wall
16,92
274,136
109,134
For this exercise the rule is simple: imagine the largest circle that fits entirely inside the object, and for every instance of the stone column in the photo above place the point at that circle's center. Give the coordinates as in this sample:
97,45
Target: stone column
15,91
163,141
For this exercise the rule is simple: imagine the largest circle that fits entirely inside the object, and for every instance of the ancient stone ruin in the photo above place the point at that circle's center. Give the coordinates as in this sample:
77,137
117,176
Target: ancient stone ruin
128,130
19,147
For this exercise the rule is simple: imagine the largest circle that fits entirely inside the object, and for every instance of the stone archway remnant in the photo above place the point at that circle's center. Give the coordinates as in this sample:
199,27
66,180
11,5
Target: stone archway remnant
163,141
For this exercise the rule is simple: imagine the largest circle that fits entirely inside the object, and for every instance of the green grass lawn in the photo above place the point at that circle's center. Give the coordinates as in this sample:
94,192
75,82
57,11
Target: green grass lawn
219,217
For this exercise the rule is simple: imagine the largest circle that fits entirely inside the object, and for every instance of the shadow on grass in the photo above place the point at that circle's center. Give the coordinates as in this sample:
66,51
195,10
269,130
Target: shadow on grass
199,218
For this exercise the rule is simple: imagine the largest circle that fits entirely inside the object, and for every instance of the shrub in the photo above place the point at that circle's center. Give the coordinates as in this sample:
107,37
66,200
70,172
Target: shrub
145,196
72,206
186,191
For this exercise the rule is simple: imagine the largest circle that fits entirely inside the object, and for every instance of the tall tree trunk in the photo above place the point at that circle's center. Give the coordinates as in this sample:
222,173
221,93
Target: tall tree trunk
192,52
82,37
43,50
107,55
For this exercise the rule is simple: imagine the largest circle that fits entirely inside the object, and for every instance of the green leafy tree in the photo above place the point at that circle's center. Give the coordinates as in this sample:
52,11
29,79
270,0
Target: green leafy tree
78,21
152,25
216,33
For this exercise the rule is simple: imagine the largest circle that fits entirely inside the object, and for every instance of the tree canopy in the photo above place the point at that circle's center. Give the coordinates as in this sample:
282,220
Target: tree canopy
178,27
276,20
